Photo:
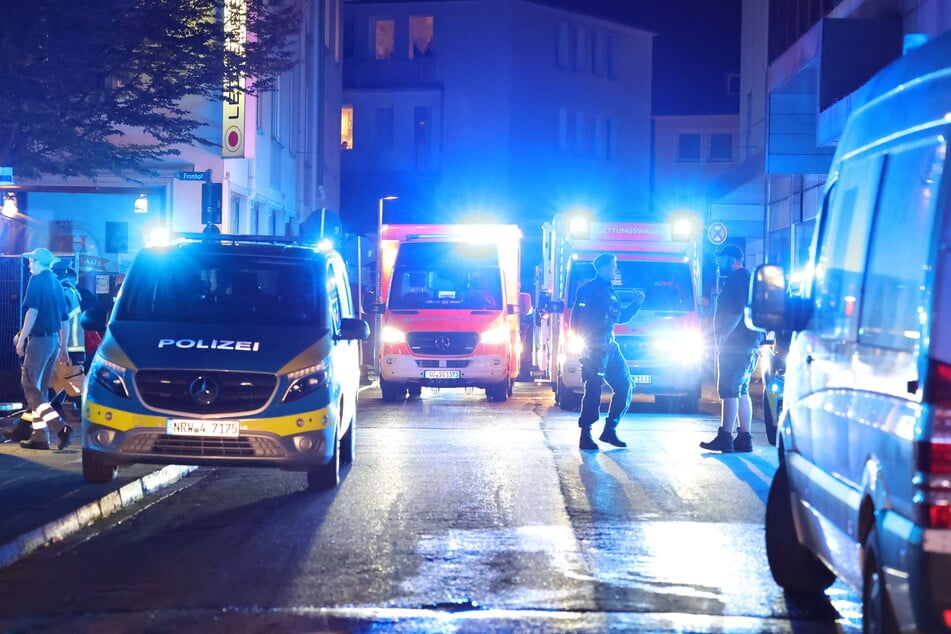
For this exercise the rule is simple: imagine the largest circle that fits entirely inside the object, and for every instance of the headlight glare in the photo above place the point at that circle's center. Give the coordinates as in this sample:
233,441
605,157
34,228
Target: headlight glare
499,334
685,346
393,335
574,343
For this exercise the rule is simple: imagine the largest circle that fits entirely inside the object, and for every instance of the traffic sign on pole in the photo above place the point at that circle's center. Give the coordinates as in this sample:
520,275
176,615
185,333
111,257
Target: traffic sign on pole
716,233
204,177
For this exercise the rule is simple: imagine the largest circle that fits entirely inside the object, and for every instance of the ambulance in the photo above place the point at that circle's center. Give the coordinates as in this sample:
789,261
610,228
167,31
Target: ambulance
450,308
662,344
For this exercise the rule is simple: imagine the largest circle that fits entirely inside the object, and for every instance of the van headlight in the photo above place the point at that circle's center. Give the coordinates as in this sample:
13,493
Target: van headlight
392,335
109,375
305,381
685,346
575,344
499,334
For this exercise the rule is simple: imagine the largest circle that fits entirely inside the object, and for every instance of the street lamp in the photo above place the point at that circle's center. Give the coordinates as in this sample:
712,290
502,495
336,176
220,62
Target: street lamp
379,278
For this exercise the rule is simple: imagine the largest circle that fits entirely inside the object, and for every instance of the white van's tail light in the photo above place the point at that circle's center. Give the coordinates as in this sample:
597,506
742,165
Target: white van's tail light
933,479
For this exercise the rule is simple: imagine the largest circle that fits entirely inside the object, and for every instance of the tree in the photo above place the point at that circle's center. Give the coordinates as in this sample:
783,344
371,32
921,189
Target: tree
79,76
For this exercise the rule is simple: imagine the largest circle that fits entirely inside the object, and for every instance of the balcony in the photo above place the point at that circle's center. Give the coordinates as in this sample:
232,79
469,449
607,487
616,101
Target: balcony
389,73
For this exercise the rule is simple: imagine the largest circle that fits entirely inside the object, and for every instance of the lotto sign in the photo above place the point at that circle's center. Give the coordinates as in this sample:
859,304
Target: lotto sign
716,233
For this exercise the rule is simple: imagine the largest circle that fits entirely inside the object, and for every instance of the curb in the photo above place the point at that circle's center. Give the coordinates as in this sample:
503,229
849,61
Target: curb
61,528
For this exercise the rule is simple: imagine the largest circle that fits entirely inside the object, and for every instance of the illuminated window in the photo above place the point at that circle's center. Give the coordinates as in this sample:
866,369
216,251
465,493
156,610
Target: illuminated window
688,147
346,128
721,147
420,36
385,38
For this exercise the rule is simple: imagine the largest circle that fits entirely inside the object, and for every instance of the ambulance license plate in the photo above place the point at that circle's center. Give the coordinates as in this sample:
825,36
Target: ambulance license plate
216,428
441,374
641,378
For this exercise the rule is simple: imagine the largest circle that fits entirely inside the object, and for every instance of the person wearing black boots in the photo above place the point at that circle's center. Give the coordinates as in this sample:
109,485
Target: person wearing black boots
737,355
596,310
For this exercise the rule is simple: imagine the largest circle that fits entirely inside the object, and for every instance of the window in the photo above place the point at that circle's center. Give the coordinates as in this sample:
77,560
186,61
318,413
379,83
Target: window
384,129
348,35
563,128
610,139
422,135
688,147
274,101
579,132
613,70
420,36
733,84
897,263
255,219
842,251
599,53
721,147
235,215
385,39
563,53
581,49
346,128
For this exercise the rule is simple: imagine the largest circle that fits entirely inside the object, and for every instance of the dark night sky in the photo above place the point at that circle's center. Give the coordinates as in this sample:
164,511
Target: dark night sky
697,45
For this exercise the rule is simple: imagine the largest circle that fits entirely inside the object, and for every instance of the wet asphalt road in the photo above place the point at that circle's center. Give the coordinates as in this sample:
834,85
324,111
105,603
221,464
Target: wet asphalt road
458,515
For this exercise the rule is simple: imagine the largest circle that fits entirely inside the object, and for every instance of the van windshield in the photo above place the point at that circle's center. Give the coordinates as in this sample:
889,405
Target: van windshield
179,286
446,275
666,285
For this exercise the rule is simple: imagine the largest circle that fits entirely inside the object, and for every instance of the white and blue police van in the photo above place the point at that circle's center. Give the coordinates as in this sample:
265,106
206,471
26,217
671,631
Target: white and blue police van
227,350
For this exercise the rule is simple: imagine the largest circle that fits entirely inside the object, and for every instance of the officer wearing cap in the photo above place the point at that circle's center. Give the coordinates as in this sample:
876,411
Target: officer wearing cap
737,355
41,340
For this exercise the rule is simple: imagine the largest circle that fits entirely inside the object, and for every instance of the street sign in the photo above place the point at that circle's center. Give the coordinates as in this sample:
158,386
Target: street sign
204,177
716,233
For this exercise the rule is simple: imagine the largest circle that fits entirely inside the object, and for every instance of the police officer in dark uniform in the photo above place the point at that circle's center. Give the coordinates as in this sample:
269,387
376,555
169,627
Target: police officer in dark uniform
596,310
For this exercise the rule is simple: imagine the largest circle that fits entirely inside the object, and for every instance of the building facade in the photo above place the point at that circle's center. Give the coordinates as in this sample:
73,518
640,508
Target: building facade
801,63
501,109
286,167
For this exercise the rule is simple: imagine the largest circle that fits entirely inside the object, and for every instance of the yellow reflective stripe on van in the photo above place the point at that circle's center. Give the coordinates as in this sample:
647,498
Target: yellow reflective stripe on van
280,425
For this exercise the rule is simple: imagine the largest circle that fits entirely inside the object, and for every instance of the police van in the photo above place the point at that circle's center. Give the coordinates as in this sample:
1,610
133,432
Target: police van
227,350
863,487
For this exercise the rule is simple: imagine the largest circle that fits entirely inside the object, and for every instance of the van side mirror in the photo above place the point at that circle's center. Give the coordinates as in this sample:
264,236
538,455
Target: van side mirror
766,306
351,329
525,304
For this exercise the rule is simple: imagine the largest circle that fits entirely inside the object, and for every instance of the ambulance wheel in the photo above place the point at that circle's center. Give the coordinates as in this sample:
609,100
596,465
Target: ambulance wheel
497,393
415,391
567,399
95,469
326,476
392,392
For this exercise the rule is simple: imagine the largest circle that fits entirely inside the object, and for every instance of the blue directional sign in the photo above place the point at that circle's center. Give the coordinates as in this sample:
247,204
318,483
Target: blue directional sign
204,177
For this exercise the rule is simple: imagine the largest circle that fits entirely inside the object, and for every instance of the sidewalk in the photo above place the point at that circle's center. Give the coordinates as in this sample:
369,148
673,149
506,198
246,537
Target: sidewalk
44,497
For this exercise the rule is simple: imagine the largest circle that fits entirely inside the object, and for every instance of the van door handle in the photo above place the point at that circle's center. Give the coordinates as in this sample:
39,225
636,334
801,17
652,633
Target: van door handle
809,359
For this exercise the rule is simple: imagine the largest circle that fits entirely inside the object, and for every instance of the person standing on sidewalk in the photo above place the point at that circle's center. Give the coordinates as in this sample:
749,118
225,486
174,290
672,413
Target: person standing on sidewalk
737,355
597,308
41,342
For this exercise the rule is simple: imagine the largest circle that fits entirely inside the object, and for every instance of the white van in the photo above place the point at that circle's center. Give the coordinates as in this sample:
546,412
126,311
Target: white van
863,488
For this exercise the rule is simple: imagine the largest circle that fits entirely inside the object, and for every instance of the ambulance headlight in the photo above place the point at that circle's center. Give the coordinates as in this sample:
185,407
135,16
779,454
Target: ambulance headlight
305,381
393,335
574,343
499,334
109,375
685,346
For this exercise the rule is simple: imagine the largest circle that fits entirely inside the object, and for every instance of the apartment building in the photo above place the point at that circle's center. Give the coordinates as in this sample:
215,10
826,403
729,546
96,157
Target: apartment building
502,109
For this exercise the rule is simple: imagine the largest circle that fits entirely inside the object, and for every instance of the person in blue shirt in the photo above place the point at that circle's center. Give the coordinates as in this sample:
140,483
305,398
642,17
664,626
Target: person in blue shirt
41,341
596,310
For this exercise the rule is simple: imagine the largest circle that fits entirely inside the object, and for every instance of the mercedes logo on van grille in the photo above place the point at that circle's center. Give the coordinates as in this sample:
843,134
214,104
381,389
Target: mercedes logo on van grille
203,390
442,342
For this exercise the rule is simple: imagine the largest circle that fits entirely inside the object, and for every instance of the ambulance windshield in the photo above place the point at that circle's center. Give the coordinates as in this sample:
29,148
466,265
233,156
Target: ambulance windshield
450,275
667,286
